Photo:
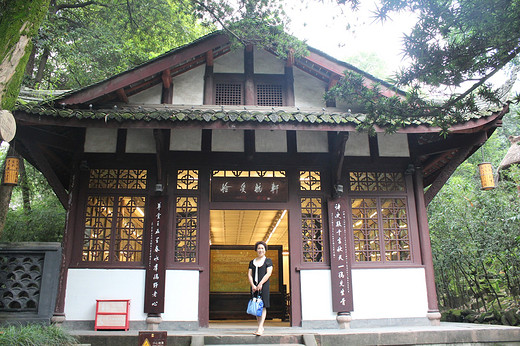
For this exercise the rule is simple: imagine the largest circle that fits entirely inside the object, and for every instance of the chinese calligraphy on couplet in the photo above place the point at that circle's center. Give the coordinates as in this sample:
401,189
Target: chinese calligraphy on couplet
340,265
155,266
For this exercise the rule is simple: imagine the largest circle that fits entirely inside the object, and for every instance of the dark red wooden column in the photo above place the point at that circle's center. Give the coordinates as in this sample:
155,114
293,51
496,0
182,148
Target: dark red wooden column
208,79
249,70
426,248
289,79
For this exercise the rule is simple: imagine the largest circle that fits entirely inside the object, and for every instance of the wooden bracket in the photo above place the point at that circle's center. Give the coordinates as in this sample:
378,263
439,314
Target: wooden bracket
160,148
45,167
338,156
450,167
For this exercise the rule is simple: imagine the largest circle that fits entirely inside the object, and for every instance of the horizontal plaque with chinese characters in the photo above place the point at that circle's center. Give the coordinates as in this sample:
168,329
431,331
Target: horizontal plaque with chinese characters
340,266
249,189
155,263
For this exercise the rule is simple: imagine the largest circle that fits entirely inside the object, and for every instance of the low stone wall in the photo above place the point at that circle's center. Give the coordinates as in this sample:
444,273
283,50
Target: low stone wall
29,276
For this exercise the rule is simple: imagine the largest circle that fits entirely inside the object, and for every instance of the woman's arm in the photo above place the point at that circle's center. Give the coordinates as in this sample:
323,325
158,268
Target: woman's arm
250,278
265,278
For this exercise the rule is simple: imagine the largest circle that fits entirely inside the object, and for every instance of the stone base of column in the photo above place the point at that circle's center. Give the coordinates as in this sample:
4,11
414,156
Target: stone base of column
344,319
57,319
153,321
434,317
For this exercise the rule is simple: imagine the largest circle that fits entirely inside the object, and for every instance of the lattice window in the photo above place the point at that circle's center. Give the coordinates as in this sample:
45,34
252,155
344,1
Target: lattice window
248,174
98,228
187,180
269,95
376,181
366,230
186,215
228,94
310,181
130,229
312,229
114,224
395,229
133,179
380,227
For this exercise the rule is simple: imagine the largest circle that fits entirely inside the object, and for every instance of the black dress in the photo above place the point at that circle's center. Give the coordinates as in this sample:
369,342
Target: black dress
261,273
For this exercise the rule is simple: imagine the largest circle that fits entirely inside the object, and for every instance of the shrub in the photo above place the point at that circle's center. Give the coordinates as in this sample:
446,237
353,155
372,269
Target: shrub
35,335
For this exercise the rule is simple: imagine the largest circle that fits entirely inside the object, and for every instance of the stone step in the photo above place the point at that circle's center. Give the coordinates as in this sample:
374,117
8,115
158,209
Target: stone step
200,340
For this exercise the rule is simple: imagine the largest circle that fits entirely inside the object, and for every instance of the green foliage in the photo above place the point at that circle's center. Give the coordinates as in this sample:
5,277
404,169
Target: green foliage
35,335
89,41
44,222
17,19
476,234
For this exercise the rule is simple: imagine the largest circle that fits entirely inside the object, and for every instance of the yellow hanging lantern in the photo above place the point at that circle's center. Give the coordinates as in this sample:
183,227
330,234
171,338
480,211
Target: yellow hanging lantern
486,176
12,166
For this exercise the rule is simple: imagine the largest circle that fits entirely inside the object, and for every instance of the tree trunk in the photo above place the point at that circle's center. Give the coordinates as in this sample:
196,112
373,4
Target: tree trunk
30,64
26,191
20,22
5,195
41,67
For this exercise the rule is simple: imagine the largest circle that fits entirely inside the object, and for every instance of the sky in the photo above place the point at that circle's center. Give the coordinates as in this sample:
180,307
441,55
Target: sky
342,33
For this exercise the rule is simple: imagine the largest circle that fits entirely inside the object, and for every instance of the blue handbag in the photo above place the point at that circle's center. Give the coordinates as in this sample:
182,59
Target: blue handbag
255,306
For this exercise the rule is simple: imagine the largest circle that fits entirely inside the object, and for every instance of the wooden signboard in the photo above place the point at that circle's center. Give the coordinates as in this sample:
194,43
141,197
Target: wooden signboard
155,264
340,266
249,189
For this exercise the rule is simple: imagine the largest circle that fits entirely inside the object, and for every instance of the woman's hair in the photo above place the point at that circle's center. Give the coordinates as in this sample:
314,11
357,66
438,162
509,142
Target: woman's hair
261,242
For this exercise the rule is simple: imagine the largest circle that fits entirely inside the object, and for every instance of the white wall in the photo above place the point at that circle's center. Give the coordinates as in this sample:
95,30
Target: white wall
308,90
182,295
188,87
377,293
149,96
265,62
100,140
232,62
389,293
84,286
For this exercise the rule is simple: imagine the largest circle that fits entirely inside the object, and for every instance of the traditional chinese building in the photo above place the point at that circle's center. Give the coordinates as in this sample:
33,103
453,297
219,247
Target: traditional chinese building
171,171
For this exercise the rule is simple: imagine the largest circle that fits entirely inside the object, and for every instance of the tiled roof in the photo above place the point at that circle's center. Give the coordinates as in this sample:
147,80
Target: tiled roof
237,114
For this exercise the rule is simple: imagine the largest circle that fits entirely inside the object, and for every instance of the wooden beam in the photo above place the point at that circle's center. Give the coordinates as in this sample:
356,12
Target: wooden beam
338,156
450,167
122,95
166,78
160,152
145,71
249,70
208,98
45,167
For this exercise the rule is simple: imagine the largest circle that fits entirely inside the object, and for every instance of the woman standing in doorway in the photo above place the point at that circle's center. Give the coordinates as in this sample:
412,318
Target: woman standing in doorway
260,270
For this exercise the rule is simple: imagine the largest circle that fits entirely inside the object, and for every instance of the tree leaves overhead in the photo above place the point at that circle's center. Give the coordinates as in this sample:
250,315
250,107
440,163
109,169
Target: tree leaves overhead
87,41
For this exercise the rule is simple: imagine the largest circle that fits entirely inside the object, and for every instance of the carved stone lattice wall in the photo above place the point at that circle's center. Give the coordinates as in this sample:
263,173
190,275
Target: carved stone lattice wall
20,281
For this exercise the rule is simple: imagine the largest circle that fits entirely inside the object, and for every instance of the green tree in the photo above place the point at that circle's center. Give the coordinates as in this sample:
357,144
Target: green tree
82,42
476,234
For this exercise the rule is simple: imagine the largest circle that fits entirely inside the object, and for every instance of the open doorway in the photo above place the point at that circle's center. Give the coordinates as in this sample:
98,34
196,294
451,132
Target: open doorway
233,234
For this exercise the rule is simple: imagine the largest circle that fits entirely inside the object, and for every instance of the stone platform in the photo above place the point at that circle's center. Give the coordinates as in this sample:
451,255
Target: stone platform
242,334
